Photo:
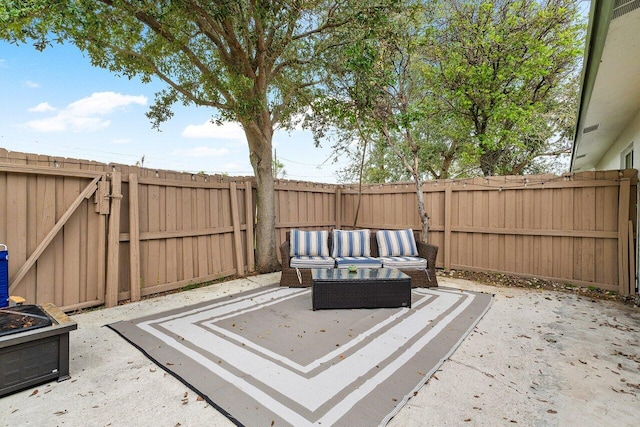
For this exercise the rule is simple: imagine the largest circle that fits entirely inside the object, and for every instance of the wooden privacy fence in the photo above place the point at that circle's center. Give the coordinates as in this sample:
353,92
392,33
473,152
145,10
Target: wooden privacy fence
577,228
82,234
176,230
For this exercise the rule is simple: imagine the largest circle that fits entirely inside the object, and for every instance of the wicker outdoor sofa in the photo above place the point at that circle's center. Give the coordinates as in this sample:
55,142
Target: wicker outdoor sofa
419,277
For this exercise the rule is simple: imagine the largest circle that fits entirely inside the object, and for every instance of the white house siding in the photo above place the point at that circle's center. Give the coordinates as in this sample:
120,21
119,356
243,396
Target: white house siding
630,135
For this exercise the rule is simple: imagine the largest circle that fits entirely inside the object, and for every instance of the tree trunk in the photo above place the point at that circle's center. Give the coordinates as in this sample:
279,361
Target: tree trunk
422,213
259,140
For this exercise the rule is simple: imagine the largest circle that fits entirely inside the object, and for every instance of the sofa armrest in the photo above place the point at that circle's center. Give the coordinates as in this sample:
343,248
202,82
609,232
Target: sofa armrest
291,276
426,250
430,253
285,250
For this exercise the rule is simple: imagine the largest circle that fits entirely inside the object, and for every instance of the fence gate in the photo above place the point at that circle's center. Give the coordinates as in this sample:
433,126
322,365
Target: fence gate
59,256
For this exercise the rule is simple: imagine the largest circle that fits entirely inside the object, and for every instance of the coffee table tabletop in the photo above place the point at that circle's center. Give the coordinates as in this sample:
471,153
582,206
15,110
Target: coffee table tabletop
341,274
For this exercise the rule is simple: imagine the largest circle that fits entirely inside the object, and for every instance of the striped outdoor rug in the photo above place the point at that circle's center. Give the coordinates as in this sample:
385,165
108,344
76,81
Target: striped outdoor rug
265,358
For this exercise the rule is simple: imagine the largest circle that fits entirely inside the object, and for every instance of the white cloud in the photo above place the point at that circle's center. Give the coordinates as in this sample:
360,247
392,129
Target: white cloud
202,152
32,85
84,115
64,121
43,107
102,103
121,141
3,63
228,130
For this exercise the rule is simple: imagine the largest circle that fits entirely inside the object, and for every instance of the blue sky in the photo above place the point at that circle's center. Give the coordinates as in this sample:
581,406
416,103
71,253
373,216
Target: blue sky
55,103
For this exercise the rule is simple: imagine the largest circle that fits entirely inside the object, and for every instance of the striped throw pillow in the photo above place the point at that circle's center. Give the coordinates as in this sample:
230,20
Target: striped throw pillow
309,243
350,243
396,243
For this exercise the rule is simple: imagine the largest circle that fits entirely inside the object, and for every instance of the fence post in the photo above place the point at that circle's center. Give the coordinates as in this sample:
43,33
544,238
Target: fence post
235,219
632,261
623,237
134,239
447,226
248,201
113,242
338,194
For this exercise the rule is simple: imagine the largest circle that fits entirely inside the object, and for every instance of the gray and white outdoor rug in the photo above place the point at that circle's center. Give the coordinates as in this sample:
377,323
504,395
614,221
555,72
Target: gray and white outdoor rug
264,357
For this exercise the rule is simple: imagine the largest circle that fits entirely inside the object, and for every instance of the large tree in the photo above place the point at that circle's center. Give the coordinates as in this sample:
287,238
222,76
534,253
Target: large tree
250,61
502,66
492,89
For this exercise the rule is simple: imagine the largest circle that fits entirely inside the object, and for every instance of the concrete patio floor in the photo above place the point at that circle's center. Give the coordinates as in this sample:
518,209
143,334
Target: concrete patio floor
538,358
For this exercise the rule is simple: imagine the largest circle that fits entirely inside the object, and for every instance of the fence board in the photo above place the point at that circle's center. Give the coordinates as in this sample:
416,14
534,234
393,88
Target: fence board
134,238
623,246
113,247
45,205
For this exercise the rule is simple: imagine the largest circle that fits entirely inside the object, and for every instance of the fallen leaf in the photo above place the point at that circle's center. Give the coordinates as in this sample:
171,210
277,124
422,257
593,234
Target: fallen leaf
34,392
200,398
60,412
551,411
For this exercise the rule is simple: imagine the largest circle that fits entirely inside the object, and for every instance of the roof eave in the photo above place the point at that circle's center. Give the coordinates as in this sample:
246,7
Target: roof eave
599,19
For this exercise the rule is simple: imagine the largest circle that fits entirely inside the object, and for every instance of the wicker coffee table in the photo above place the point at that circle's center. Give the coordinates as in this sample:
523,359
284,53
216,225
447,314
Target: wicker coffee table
364,288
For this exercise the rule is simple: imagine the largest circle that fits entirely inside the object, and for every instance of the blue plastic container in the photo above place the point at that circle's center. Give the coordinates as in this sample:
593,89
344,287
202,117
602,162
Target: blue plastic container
4,276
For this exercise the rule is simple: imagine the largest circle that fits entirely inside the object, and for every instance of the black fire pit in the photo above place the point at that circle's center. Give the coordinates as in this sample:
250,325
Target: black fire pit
34,346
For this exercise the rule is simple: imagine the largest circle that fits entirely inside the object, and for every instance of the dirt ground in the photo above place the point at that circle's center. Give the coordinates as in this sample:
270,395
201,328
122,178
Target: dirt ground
505,280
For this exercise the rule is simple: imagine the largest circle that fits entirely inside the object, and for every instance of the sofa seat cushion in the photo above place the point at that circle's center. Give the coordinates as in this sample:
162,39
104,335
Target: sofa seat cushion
358,261
404,262
305,261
